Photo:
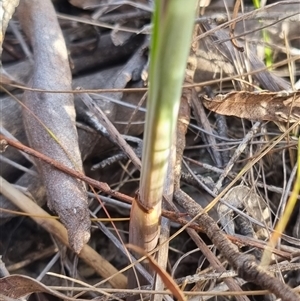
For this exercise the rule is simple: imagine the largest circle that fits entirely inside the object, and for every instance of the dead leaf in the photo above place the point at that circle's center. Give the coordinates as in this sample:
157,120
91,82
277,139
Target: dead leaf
7,10
242,197
280,106
17,286
166,278
3,145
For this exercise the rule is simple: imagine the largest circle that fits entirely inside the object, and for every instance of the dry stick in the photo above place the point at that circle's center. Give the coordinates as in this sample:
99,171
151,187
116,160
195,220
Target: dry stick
244,264
222,130
232,26
104,187
202,119
100,185
215,262
32,258
183,122
125,75
139,105
89,255
6,133
110,128
235,156
281,267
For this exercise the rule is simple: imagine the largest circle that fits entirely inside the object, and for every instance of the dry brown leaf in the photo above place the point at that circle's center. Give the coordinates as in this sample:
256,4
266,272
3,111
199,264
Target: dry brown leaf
278,106
17,286
242,197
166,278
55,112
7,9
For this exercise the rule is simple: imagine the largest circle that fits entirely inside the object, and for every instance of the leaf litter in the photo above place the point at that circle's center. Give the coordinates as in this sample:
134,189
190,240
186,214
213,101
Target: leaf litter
104,58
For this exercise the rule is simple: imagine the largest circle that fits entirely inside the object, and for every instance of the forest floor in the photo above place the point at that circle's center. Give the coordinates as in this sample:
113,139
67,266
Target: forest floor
107,43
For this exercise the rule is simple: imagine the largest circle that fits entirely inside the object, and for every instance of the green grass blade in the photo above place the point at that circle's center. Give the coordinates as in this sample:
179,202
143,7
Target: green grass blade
173,23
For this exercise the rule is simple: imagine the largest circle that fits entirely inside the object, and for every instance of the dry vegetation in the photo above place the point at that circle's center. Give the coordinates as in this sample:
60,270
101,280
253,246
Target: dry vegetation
240,167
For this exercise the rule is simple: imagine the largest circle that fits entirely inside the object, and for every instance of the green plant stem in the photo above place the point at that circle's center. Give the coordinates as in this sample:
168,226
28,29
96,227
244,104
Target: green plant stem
173,22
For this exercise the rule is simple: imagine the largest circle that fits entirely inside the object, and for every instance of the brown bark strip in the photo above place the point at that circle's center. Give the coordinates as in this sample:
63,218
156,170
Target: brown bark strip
245,265
182,127
202,121
232,26
66,195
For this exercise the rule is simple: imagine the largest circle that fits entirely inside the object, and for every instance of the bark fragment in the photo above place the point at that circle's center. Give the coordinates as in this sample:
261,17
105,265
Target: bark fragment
44,112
